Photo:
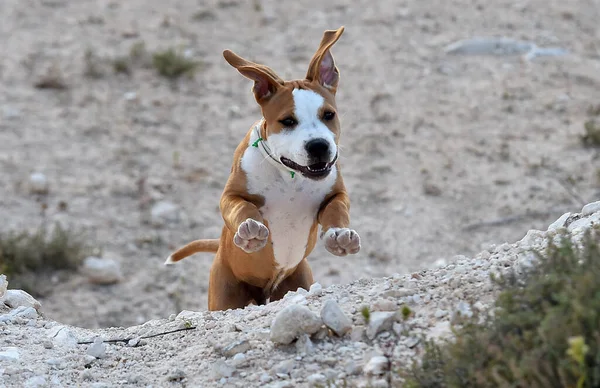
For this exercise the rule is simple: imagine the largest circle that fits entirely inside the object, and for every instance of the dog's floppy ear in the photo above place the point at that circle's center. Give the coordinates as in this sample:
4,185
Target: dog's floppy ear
322,67
266,82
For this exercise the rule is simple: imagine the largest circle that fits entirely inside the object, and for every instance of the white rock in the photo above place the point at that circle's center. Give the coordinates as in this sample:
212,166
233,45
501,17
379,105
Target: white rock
590,208
377,365
3,285
101,271
238,360
130,96
220,369
58,362
189,315
62,336
36,382
316,380
265,378
440,330
304,345
9,353
560,222
293,321
134,342
464,309
352,368
380,321
175,375
315,289
233,348
88,360
297,299
38,183
584,223
20,312
16,298
164,212
284,367
334,318
411,342
97,349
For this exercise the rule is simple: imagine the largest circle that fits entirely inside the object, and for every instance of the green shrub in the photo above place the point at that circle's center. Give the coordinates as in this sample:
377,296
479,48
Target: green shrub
122,65
591,137
173,64
545,330
29,258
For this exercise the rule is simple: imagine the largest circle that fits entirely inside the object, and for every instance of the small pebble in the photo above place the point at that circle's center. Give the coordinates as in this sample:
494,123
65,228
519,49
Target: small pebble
293,321
590,208
101,271
97,349
376,365
334,318
38,183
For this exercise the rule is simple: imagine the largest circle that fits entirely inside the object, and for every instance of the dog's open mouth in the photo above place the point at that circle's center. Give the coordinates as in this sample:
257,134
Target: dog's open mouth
313,171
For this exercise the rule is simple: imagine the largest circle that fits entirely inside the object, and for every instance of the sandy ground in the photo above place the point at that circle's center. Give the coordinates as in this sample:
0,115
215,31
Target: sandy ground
442,155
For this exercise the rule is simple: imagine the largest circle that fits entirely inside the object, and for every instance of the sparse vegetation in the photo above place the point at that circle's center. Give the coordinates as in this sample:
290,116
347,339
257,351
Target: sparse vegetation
122,65
545,330
53,79
28,258
92,65
406,312
173,64
591,137
594,110
138,52
366,313
170,63
203,14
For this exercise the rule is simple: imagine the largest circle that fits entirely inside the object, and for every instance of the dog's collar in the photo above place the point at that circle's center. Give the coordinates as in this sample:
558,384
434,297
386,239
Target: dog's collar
264,148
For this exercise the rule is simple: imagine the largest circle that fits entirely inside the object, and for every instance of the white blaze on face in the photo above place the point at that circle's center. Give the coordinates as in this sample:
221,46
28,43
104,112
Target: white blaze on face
291,143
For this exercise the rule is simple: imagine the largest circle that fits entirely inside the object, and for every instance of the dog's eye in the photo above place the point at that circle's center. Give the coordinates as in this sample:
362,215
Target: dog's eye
328,116
288,122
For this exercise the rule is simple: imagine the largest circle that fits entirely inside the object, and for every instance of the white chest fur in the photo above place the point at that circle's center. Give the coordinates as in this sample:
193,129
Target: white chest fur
291,204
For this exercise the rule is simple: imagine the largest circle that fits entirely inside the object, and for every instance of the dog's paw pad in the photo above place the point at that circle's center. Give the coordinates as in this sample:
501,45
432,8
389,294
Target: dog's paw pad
342,241
251,236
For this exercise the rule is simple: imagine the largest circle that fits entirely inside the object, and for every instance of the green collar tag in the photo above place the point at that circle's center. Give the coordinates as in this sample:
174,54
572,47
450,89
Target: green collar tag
292,173
255,144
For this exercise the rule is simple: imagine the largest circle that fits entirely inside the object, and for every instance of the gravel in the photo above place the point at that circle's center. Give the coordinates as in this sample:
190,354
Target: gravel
285,343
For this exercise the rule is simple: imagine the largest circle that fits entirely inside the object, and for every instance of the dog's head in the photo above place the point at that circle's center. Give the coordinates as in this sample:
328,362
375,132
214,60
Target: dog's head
301,124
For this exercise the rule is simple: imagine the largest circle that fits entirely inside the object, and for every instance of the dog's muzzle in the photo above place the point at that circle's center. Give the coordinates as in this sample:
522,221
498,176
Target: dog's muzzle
315,171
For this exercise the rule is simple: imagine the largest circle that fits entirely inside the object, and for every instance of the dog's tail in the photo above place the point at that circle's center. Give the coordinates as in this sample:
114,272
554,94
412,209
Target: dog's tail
191,248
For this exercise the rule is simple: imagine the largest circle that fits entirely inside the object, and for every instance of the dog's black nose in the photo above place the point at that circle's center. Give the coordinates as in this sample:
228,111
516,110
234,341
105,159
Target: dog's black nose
318,149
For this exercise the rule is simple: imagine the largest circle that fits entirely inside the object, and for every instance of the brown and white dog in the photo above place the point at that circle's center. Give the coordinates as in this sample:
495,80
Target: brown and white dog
284,182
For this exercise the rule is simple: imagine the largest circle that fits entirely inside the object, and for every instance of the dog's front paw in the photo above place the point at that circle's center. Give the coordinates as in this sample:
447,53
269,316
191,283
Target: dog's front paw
251,236
342,241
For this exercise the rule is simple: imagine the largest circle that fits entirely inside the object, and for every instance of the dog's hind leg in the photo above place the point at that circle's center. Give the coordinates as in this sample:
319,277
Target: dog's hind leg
301,277
225,291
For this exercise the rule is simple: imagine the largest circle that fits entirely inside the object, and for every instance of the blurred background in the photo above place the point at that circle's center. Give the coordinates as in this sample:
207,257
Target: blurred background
118,122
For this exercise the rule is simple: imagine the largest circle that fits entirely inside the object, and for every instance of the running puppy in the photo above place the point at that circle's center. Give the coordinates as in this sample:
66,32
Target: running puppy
284,183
